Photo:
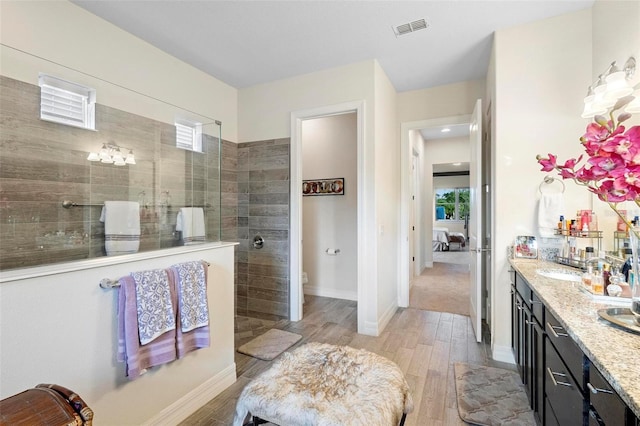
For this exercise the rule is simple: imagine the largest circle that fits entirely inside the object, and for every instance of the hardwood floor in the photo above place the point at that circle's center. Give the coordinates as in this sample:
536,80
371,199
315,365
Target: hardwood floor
424,344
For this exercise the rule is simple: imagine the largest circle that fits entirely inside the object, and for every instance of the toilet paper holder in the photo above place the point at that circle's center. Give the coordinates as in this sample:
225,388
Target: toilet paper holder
332,252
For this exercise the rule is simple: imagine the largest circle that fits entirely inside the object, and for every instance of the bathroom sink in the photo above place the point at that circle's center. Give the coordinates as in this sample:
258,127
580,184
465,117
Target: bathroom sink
560,274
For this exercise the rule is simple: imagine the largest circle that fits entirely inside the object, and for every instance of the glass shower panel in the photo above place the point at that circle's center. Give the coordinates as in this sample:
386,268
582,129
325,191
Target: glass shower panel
55,179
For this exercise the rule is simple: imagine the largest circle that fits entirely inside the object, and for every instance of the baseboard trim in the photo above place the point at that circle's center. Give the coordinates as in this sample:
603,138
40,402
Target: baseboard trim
503,354
198,397
329,292
386,317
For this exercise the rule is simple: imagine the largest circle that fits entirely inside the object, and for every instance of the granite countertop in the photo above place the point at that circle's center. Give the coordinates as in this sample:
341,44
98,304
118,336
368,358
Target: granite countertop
613,350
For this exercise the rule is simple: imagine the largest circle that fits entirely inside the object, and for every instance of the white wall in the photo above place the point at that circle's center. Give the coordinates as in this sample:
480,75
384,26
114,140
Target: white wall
441,101
68,35
264,110
387,181
542,70
61,329
329,150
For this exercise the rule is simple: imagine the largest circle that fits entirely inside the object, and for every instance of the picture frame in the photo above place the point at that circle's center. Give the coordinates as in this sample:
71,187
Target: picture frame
525,247
314,187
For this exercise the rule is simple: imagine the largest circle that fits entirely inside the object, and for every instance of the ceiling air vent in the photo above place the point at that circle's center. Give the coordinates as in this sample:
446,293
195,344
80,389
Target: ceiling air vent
410,27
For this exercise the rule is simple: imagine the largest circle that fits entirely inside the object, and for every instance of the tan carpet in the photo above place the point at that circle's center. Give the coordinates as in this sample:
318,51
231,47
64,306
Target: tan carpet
490,396
461,257
443,288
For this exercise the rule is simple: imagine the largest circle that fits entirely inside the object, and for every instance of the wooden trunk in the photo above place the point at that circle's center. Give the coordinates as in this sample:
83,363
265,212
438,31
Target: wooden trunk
50,405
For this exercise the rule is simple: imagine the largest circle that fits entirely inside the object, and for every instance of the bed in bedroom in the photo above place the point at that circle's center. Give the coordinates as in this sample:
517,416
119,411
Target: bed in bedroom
444,240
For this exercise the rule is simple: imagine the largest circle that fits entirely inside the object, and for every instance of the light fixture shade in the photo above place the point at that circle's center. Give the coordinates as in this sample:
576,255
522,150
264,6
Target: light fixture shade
119,162
591,110
617,86
93,156
130,159
107,160
104,153
634,106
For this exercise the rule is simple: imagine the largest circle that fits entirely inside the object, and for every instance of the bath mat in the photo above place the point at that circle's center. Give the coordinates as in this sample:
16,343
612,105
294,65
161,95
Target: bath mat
269,345
490,396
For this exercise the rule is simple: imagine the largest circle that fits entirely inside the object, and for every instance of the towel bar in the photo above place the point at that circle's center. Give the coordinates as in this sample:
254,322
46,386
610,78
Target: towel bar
109,283
67,204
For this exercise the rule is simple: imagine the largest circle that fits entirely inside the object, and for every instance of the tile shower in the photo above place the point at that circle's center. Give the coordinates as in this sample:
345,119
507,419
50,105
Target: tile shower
43,163
246,190
262,185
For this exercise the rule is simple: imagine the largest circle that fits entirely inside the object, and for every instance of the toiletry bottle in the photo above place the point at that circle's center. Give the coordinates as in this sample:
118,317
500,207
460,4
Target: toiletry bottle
560,224
587,276
573,253
606,275
588,253
597,283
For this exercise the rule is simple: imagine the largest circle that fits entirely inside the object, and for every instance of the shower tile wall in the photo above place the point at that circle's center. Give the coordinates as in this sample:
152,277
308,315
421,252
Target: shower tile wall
263,209
43,163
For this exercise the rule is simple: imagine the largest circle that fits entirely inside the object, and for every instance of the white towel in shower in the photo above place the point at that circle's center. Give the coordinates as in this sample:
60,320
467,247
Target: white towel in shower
550,208
121,227
190,222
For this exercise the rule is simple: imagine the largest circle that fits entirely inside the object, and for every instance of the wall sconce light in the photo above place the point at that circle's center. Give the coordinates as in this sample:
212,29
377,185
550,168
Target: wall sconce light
612,85
110,154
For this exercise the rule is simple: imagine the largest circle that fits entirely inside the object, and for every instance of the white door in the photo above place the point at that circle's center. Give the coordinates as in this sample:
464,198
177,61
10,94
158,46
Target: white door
476,240
414,240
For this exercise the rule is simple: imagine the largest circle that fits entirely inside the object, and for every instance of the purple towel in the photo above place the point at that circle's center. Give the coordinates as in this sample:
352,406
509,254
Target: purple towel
136,357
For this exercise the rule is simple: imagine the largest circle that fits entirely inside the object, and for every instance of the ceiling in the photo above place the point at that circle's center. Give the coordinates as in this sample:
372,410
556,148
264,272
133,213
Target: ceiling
245,43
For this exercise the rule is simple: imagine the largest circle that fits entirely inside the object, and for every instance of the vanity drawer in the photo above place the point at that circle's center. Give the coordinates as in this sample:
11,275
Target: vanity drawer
562,392
537,308
567,349
523,288
609,406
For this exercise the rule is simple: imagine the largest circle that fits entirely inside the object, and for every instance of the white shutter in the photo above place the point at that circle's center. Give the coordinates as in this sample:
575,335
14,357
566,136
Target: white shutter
184,136
189,136
66,103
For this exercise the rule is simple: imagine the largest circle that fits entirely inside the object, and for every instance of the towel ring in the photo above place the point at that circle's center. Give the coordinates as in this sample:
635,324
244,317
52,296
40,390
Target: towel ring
549,180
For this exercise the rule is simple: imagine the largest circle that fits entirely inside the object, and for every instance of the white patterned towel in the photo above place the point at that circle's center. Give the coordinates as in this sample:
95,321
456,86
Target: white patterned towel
153,299
193,307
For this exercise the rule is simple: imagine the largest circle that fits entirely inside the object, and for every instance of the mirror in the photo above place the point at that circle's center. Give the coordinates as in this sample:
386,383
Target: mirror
614,45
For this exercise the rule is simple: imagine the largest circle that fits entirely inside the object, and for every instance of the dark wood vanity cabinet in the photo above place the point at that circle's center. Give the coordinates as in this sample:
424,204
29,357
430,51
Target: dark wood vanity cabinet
563,387
607,408
528,342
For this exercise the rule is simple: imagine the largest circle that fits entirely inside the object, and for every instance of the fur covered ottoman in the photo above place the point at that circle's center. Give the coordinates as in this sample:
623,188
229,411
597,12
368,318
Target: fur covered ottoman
322,384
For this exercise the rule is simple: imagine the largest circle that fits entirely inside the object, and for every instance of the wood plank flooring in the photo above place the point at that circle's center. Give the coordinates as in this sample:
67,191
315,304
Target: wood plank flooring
425,344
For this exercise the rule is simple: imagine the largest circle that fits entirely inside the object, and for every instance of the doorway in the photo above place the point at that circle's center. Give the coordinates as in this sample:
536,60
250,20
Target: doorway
412,138
296,225
329,206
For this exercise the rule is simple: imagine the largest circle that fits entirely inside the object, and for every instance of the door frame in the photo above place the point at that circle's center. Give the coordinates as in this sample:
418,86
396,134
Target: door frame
406,154
295,198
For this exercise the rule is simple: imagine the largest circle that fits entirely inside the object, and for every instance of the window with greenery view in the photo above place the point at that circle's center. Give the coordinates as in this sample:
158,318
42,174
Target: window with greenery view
452,203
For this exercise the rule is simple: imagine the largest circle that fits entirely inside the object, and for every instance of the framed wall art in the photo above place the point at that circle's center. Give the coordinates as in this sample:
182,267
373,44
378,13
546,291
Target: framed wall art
333,186
525,247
